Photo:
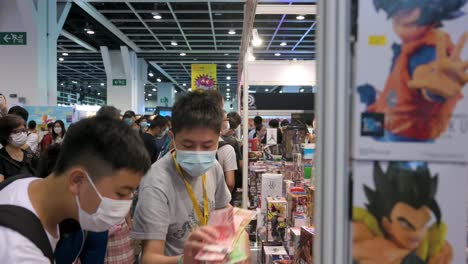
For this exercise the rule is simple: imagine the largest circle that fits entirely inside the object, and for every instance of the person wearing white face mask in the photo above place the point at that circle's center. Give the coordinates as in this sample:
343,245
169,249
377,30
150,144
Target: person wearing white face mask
182,189
100,164
158,128
13,160
59,131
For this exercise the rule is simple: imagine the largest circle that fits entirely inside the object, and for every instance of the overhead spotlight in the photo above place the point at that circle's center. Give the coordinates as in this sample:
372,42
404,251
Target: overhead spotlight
228,84
228,78
228,89
144,92
89,86
89,31
183,54
159,80
189,89
173,43
175,91
256,41
154,89
282,44
150,95
102,84
229,66
301,90
150,74
281,91
232,32
300,17
226,54
157,16
64,54
61,59
98,93
146,99
277,54
184,84
62,84
75,82
267,90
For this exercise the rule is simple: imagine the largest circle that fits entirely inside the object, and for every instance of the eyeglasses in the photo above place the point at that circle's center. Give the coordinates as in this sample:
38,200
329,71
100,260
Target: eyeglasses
19,130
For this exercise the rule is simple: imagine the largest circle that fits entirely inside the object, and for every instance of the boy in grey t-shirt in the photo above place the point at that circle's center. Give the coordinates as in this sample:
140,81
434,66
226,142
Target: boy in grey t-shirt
166,213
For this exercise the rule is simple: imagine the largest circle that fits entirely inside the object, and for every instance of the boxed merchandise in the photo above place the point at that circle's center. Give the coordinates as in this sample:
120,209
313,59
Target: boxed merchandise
300,220
272,186
276,219
287,185
295,235
310,198
297,203
303,254
274,254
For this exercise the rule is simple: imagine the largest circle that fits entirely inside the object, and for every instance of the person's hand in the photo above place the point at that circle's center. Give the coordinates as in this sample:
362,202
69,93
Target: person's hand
378,250
444,256
447,75
195,242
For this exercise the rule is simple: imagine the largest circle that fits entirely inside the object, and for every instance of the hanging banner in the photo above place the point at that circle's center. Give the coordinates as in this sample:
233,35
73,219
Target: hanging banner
204,77
409,212
411,94
46,114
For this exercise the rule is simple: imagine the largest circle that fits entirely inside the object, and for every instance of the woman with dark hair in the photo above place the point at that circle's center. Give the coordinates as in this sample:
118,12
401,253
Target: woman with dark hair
59,131
14,160
48,139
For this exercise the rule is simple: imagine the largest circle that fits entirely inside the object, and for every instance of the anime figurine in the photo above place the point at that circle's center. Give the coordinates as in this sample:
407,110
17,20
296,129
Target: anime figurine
277,217
394,226
427,73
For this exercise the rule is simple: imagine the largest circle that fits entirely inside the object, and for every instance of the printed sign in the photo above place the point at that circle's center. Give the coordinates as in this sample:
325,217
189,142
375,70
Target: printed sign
204,77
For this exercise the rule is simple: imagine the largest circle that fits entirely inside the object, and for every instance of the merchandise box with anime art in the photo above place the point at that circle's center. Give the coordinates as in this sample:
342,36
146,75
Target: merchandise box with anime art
410,90
414,211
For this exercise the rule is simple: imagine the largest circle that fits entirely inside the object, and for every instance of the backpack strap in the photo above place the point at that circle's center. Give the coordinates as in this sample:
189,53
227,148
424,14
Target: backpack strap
26,223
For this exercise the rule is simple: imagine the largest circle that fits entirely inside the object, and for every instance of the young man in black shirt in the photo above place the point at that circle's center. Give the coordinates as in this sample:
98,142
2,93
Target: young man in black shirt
158,128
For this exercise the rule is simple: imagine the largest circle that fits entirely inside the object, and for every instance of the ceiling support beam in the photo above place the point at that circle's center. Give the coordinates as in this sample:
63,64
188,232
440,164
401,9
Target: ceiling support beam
249,17
78,41
286,10
212,25
146,25
80,72
88,8
305,35
96,67
63,9
185,68
277,29
167,75
178,25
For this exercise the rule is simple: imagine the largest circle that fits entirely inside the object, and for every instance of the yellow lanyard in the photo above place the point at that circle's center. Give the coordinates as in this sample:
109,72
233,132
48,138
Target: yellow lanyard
203,218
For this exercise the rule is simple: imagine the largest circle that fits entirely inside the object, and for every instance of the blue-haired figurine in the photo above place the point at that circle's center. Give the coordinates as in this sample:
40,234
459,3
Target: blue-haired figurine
427,73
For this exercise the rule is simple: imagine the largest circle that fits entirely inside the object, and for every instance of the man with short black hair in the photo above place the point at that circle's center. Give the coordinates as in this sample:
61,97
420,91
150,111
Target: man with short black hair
19,111
258,121
158,129
99,166
185,186
33,137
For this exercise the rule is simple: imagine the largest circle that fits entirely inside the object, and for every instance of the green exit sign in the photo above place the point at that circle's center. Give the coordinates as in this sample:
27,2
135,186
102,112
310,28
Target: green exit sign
119,82
12,38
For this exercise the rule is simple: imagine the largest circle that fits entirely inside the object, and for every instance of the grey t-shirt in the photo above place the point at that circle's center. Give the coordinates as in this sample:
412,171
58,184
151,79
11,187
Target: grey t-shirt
164,210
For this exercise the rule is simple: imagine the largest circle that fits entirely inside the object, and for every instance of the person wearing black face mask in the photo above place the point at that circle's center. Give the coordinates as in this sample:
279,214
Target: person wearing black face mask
158,128
13,160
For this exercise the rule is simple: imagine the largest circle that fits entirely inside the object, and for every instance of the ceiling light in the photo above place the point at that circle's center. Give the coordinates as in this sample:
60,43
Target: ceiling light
173,43
229,66
102,84
277,54
280,91
175,91
64,54
89,86
226,54
157,16
189,89
300,17
98,93
183,54
90,32
256,41
154,90
228,89
61,59
150,95
282,44
266,89
184,84
232,32
302,90
150,74
74,82
146,99
144,92
61,84
228,85
159,80
228,78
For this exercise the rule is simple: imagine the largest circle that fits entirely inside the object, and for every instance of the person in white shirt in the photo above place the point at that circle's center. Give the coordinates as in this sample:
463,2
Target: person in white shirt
101,163
227,157
33,137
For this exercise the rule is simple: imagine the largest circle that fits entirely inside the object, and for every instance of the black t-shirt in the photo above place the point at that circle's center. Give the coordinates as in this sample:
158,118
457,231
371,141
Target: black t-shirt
150,144
10,167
